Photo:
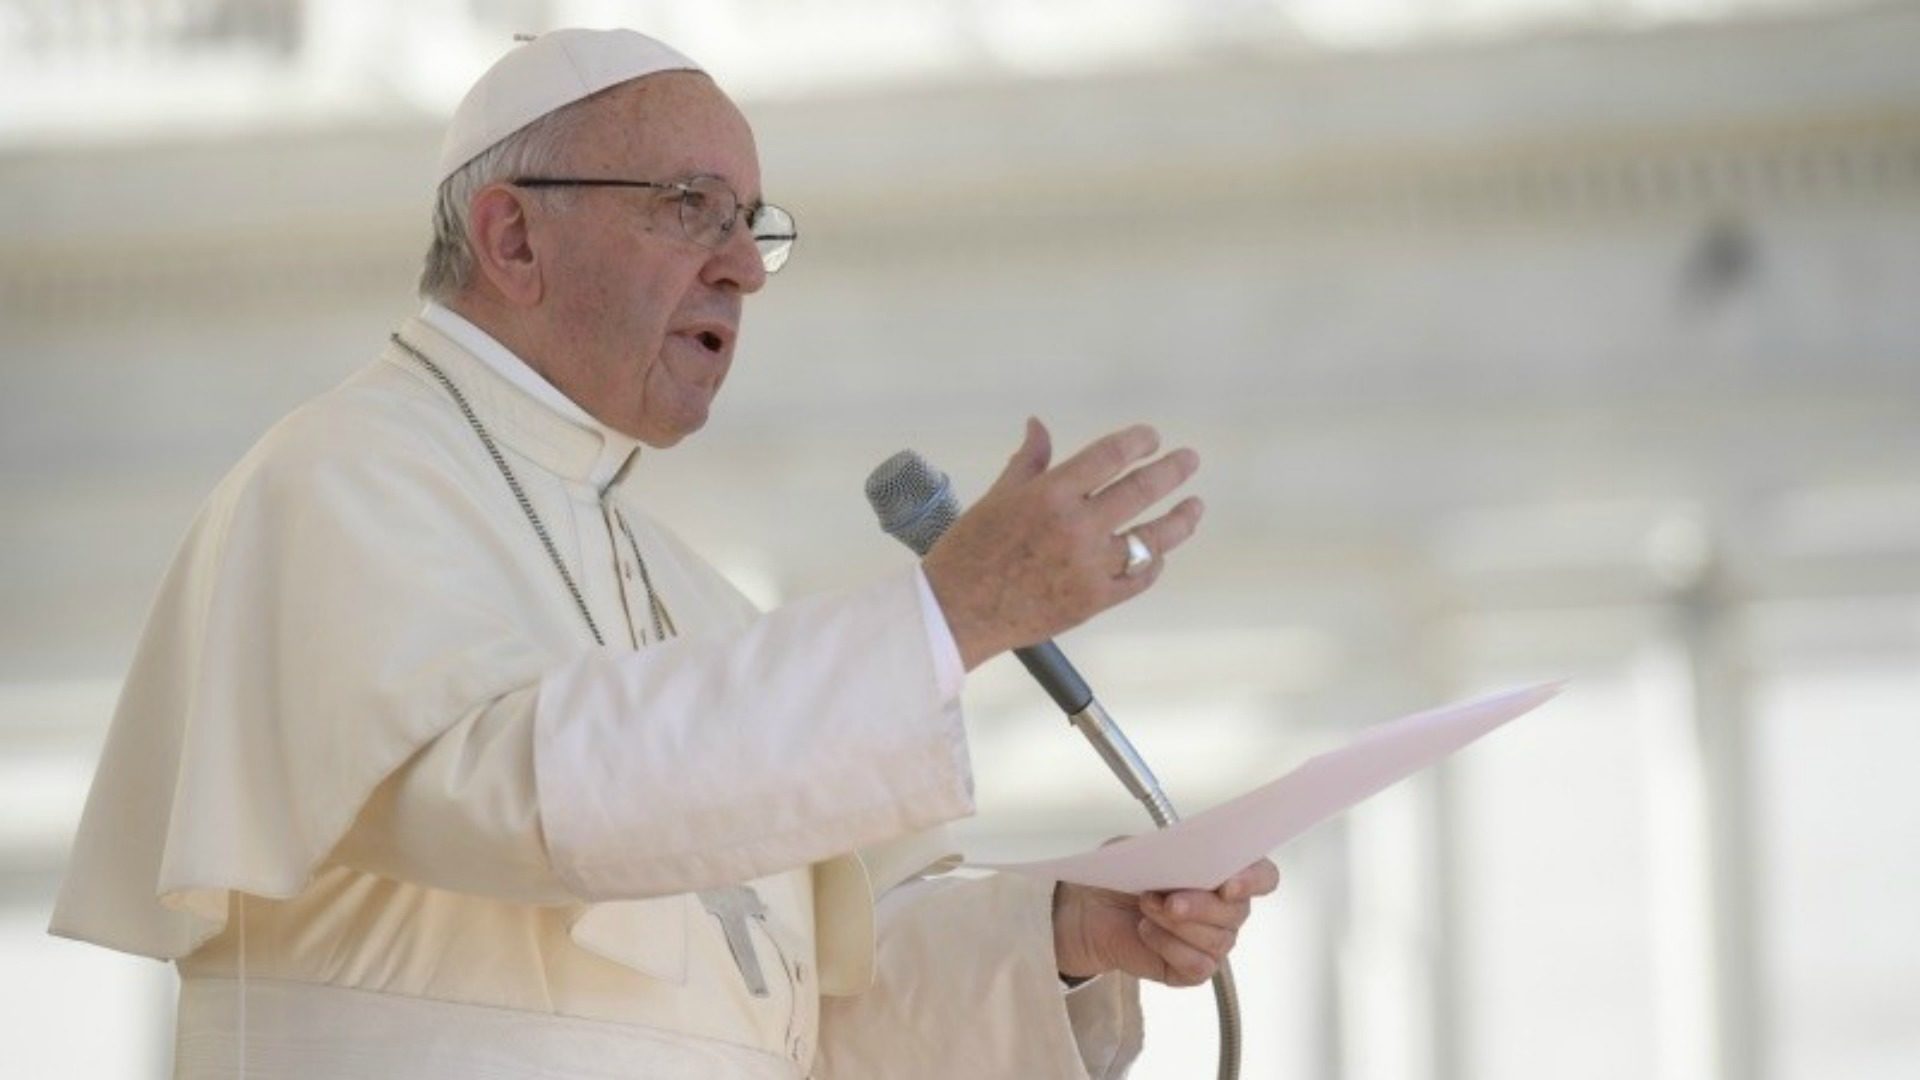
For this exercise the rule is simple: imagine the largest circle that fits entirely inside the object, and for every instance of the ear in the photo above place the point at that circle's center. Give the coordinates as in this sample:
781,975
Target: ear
502,250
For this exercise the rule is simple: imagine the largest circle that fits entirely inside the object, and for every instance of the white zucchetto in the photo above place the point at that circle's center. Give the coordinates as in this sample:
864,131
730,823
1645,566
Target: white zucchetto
551,71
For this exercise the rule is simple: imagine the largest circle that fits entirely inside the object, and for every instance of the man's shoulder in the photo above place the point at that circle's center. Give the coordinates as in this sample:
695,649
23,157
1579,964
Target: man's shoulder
381,421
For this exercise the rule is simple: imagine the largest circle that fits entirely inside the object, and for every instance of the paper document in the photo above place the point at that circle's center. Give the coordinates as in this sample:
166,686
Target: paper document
1204,850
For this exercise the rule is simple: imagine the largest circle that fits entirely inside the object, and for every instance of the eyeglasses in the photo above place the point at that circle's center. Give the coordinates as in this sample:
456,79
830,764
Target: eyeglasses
709,210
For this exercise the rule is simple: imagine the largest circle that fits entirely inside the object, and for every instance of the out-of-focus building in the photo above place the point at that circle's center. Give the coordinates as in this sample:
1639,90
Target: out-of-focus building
1522,338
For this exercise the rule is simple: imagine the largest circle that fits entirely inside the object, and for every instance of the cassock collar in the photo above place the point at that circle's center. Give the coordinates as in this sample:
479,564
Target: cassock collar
518,406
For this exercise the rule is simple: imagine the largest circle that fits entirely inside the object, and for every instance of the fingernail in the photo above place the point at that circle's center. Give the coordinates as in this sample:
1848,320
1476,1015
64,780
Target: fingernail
1179,907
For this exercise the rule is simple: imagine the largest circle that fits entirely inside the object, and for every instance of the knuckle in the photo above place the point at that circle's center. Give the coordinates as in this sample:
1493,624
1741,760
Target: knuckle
1056,508
1087,532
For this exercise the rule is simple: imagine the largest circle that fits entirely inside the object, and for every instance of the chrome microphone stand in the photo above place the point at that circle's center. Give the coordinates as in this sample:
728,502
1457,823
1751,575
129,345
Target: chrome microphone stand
915,504
1127,764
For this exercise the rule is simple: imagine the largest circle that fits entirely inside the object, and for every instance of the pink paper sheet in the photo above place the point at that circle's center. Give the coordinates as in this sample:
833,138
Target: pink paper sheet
1204,850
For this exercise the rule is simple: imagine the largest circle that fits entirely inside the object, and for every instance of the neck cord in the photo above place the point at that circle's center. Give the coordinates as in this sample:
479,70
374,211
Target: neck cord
662,620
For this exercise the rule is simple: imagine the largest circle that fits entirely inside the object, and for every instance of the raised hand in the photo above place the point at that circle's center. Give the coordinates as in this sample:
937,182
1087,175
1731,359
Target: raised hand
1044,550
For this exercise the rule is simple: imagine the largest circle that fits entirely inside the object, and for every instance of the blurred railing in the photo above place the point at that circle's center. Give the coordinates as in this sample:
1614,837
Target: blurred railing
294,49
58,31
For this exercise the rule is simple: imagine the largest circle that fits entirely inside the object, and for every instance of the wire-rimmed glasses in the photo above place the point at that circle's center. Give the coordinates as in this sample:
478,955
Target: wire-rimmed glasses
709,212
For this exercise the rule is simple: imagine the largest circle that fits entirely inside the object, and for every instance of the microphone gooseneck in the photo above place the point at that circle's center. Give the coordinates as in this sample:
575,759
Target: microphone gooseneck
916,504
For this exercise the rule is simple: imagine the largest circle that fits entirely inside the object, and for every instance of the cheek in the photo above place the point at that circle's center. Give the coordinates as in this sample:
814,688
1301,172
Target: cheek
583,285
614,306
618,288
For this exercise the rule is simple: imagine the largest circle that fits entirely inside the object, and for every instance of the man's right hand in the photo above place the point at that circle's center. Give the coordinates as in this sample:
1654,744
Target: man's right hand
1044,549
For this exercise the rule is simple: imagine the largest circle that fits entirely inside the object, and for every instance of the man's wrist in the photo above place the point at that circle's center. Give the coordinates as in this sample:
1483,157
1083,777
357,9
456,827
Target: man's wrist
1069,952
960,631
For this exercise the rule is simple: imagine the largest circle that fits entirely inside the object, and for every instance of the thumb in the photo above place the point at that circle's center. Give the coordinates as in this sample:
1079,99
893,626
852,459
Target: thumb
1031,459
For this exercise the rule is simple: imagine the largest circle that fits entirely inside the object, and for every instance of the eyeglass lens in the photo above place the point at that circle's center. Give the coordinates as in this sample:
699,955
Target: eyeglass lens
709,210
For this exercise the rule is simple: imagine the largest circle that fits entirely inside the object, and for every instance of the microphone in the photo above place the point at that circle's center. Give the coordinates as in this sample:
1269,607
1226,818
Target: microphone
916,504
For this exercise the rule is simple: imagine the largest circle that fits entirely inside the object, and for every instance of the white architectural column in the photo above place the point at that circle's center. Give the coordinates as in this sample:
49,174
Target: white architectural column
1400,976
1704,905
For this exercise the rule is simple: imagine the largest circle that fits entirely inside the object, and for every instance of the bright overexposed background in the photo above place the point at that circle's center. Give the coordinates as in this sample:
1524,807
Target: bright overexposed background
1522,339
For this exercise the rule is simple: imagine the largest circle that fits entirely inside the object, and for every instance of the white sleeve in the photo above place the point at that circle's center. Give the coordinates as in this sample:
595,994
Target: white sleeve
816,730
463,813
949,670
965,985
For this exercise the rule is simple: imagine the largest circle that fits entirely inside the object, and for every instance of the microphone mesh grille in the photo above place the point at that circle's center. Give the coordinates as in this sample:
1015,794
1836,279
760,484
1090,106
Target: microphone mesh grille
913,500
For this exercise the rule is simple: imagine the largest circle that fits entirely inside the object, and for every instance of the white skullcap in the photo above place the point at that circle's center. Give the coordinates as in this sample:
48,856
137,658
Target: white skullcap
551,71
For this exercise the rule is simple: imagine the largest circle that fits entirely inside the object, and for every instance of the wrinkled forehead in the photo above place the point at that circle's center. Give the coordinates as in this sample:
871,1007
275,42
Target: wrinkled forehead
667,127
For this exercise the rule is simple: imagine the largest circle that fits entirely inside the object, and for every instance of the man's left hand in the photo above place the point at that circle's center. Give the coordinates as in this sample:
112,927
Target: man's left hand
1178,938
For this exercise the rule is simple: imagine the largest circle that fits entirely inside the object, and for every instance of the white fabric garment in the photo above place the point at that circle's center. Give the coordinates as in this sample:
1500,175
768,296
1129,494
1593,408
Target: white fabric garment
616,448
367,707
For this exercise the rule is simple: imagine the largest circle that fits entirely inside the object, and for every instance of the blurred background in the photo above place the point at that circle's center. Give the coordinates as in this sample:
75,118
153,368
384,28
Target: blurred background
1522,339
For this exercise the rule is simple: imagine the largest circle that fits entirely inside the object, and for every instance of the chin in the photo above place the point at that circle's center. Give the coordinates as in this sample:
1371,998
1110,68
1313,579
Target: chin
664,441
662,436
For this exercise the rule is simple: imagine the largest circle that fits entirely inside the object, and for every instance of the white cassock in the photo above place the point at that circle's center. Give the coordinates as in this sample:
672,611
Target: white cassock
393,813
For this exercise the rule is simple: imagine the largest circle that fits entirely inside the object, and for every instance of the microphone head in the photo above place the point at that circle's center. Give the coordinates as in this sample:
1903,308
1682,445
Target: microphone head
913,500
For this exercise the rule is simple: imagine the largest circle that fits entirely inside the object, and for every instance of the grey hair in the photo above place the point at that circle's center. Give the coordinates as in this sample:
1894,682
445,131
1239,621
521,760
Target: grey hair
530,151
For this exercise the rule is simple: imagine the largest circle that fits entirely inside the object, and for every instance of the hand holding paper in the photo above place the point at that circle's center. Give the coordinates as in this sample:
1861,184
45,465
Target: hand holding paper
1206,849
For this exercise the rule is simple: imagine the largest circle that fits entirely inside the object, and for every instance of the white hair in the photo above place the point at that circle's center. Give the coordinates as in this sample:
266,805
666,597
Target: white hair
533,150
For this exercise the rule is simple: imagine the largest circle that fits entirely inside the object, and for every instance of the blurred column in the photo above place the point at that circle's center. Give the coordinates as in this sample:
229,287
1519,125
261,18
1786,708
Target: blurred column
1400,973
1708,955
1324,860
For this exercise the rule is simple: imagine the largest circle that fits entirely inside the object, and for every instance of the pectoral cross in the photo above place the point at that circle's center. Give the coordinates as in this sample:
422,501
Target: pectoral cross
733,906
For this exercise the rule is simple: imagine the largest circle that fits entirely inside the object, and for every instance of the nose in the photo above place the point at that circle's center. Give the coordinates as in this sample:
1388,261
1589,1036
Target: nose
736,263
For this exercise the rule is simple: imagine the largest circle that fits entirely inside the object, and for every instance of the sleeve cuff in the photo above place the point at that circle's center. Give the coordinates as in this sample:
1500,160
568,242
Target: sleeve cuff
949,672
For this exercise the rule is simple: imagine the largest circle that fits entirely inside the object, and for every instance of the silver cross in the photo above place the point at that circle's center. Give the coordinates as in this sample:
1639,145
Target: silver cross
733,906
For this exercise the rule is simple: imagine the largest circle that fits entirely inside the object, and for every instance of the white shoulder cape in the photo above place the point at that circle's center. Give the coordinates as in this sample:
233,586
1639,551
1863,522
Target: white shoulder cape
235,760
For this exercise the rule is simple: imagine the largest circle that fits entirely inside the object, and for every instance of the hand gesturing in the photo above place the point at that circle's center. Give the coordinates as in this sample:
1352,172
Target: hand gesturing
1043,550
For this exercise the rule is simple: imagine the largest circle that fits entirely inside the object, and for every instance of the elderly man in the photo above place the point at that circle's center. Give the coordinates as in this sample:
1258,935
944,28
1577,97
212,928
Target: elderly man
440,759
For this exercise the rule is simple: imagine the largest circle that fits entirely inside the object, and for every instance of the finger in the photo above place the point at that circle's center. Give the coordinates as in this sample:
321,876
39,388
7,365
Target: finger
1203,906
1094,467
1124,499
1181,963
1168,531
1259,879
1215,941
1030,458
1127,586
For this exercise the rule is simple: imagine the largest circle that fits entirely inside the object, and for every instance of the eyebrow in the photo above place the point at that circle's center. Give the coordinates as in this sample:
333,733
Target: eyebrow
754,203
